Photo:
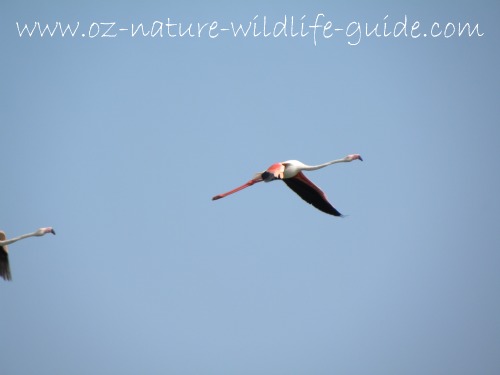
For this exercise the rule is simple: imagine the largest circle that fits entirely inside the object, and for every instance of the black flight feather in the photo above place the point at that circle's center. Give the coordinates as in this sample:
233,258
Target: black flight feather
311,196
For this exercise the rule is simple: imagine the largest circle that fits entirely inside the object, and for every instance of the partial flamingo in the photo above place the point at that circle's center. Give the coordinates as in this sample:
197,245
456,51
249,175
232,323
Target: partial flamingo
291,173
4,253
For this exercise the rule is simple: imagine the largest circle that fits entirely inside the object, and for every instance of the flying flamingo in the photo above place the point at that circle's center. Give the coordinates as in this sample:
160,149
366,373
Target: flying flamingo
4,254
291,173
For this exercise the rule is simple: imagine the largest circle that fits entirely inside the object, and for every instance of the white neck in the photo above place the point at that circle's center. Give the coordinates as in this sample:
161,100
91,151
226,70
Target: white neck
319,166
12,240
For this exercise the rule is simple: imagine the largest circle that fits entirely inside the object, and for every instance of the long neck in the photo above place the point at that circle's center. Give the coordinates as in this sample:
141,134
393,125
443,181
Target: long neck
12,240
314,167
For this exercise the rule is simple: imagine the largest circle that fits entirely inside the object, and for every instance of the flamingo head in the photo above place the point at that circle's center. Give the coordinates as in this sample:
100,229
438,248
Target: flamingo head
353,157
42,231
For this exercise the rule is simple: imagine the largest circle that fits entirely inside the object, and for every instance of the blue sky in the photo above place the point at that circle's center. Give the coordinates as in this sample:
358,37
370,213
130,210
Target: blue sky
120,143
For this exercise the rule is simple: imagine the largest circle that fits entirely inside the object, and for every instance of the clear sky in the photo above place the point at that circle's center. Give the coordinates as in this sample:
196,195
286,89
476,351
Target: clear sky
120,142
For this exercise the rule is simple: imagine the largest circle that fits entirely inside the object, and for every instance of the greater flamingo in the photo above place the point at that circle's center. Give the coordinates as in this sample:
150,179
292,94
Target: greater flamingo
4,254
291,173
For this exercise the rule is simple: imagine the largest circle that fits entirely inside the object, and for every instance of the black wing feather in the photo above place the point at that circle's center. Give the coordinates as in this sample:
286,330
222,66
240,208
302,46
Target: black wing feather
311,196
4,265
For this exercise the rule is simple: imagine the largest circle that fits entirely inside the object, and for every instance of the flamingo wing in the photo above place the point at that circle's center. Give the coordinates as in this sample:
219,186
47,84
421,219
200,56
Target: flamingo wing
312,194
274,172
4,260
4,265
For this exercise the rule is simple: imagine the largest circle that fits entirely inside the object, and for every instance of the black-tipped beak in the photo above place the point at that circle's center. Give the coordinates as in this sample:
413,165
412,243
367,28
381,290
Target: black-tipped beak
53,231
360,158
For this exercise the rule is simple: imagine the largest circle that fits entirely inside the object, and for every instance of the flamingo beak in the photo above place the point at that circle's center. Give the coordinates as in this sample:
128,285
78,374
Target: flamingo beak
360,158
52,231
